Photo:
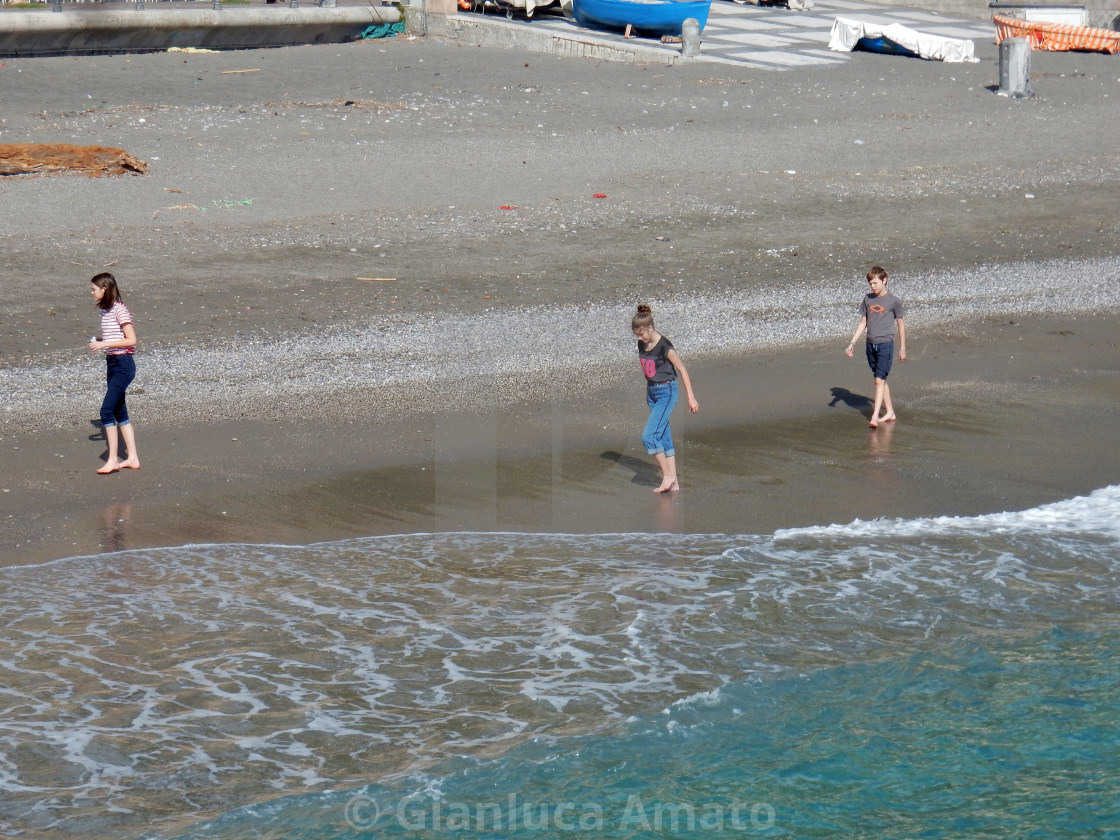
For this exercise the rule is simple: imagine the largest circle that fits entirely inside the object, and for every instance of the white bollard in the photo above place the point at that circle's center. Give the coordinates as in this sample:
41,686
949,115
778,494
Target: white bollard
690,38
1015,68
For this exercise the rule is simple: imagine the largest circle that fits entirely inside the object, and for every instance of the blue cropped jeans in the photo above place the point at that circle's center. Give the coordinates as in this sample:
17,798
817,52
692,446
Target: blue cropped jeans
662,399
120,370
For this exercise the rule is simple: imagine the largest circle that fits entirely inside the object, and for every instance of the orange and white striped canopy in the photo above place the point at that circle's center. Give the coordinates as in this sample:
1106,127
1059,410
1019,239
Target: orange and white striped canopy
1056,37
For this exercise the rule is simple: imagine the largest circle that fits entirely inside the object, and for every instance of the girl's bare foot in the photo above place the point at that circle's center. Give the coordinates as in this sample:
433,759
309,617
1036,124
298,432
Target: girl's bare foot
874,424
668,486
888,419
130,464
108,468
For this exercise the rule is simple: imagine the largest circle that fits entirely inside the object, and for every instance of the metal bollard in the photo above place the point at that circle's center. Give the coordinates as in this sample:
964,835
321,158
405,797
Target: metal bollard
57,6
217,5
328,4
139,5
690,38
294,4
1015,68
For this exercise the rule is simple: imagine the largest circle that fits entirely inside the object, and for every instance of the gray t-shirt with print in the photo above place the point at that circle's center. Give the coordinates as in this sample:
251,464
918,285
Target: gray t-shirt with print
881,311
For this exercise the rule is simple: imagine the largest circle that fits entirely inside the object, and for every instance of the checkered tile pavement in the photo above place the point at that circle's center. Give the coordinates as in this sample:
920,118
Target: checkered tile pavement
777,38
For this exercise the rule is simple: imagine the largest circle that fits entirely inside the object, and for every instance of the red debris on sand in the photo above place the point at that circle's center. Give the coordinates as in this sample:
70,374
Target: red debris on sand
599,195
508,207
60,158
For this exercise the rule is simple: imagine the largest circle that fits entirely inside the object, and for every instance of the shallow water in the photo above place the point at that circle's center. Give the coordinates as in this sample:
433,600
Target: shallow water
934,677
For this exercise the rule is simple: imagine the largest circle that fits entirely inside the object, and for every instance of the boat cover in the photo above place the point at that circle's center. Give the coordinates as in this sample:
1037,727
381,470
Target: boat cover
1056,37
846,33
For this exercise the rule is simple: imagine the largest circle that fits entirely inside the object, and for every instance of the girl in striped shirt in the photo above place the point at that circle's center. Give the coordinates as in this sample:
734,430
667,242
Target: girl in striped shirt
118,343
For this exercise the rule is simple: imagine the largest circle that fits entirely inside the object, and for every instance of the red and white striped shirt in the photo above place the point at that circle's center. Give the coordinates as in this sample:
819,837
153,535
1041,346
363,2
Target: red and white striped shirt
113,321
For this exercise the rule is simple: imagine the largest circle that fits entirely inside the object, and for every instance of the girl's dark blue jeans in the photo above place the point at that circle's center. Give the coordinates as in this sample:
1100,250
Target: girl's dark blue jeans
120,370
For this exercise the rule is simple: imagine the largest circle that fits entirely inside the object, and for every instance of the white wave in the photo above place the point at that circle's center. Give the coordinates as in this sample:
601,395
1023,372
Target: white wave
1097,513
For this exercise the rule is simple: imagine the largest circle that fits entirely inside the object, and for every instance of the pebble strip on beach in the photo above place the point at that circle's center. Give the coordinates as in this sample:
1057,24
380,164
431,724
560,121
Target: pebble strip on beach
400,363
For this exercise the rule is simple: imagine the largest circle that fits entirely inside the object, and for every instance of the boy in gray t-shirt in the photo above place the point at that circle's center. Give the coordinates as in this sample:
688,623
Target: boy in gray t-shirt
881,312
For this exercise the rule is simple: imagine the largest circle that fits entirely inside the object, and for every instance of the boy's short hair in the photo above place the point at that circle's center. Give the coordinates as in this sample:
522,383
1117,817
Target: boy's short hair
877,271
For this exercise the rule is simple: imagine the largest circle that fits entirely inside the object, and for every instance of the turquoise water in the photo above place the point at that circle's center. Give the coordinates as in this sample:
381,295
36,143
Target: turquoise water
950,677
1016,741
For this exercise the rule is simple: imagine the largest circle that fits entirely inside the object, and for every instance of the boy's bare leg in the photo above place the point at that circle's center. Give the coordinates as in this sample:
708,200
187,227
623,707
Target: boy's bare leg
887,405
880,387
668,465
111,463
132,462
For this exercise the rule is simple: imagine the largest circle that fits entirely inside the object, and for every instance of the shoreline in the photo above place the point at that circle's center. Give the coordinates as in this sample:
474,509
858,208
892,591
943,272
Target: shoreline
973,401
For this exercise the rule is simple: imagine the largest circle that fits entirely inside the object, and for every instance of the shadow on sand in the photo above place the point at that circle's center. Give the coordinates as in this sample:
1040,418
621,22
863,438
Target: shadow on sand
645,473
858,402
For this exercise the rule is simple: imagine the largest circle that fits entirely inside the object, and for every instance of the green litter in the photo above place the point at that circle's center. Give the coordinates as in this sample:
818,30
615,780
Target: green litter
383,30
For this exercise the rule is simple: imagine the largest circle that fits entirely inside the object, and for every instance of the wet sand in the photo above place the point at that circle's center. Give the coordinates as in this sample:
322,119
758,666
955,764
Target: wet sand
717,178
992,420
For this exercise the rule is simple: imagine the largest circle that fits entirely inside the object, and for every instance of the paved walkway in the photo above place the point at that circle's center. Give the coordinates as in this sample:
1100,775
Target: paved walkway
776,38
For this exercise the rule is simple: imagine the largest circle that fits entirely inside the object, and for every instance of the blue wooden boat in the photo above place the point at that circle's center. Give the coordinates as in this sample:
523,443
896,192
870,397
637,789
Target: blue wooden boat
648,17
885,46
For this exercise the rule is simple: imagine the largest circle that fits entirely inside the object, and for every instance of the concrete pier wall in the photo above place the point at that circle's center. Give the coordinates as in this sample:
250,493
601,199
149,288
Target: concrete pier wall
114,31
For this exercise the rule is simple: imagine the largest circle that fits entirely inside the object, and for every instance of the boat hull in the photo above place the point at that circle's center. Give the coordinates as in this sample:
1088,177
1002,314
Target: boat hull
655,18
885,46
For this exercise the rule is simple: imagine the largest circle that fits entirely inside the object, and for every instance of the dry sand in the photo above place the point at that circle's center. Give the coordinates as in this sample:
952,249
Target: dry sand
273,211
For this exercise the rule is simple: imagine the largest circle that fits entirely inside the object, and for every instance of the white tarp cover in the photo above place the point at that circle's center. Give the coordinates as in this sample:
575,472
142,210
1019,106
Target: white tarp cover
529,6
846,32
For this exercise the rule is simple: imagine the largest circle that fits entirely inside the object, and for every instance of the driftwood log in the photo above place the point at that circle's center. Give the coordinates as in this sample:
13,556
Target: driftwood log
56,158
